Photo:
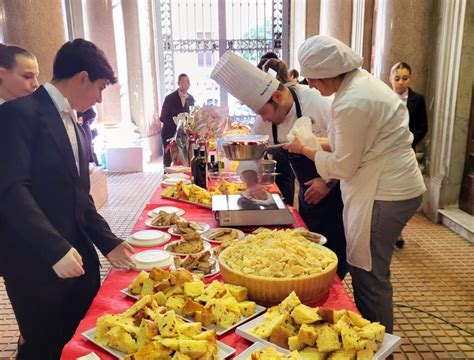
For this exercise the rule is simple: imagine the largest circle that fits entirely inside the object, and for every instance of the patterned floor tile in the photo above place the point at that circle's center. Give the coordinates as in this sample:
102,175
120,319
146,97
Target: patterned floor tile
433,278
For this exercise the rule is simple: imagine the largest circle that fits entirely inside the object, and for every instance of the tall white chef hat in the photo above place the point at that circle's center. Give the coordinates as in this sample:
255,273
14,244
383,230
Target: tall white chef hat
323,57
245,81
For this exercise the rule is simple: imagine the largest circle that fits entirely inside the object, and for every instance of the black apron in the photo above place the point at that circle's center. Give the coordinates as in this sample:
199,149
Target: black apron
324,217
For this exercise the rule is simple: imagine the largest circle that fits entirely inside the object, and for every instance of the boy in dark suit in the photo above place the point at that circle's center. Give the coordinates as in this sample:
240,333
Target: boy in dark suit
48,222
177,102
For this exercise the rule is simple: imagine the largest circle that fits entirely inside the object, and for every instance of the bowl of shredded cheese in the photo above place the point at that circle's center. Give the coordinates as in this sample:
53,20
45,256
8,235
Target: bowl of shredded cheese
273,263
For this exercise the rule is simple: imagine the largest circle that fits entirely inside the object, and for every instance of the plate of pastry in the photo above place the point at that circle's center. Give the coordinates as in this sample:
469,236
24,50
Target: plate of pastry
219,235
188,227
167,209
185,247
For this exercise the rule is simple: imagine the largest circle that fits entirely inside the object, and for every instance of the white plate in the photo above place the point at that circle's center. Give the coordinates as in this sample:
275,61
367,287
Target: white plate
149,224
129,294
177,169
206,247
187,202
148,235
210,231
323,240
152,258
169,209
198,226
214,271
174,181
245,355
224,350
389,345
150,243
176,176
220,331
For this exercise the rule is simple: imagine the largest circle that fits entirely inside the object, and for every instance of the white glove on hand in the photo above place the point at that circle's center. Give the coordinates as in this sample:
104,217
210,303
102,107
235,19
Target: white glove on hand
303,129
70,265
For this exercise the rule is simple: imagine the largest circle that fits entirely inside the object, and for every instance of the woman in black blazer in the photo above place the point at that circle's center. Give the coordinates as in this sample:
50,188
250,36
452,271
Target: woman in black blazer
18,72
18,78
400,77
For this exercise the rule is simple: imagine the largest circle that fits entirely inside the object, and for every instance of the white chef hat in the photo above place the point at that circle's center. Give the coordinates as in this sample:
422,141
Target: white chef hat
245,81
323,57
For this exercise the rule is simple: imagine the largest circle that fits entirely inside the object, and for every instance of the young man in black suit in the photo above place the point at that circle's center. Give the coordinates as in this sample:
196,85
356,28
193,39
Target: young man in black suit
177,102
48,222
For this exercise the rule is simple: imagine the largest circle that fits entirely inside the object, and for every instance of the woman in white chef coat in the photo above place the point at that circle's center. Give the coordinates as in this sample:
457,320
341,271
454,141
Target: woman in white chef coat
18,72
369,150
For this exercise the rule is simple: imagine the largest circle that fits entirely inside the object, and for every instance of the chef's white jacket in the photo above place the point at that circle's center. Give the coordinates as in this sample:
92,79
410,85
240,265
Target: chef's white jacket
371,155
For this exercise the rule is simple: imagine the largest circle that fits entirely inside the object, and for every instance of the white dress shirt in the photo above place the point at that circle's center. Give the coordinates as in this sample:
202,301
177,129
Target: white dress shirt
67,115
2,101
183,97
404,96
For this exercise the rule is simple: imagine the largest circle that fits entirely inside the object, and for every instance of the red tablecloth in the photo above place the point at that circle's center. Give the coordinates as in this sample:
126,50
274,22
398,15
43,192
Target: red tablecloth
111,300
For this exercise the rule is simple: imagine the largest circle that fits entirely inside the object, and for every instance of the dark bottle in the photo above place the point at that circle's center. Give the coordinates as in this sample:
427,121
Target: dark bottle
212,166
194,166
200,179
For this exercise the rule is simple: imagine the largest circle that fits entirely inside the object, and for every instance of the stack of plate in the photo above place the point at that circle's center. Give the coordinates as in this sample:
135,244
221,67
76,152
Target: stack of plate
177,169
176,176
146,260
147,238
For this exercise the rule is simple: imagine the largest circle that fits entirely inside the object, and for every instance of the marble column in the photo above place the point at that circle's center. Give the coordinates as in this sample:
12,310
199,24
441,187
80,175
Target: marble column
362,26
336,19
369,32
23,23
77,25
142,86
134,64
448,100
404,31
313,14
99,29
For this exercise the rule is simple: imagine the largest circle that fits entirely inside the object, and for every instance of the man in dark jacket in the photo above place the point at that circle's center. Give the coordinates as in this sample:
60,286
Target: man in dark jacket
48,222
177,102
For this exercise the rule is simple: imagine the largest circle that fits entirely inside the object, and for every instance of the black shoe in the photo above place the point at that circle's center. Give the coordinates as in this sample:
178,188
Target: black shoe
399,244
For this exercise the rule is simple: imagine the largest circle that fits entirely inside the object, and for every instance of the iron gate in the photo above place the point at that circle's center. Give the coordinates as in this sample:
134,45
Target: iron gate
192,34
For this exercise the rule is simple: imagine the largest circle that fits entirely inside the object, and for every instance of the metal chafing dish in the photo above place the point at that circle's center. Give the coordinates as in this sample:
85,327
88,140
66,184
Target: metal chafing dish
246,147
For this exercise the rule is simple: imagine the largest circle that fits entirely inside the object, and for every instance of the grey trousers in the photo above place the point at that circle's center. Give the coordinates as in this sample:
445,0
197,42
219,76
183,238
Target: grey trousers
373,290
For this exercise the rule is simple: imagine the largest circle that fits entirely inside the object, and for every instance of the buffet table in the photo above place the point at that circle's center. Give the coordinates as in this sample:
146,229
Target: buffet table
110,300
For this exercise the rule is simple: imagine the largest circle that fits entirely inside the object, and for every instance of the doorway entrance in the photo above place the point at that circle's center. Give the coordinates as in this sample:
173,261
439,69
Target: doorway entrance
193,34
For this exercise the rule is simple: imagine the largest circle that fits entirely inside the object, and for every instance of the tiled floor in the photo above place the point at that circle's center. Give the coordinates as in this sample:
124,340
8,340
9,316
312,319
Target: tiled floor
433,279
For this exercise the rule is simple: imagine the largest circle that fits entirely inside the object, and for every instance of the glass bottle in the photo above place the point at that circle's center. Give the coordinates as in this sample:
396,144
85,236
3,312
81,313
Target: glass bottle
194,166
